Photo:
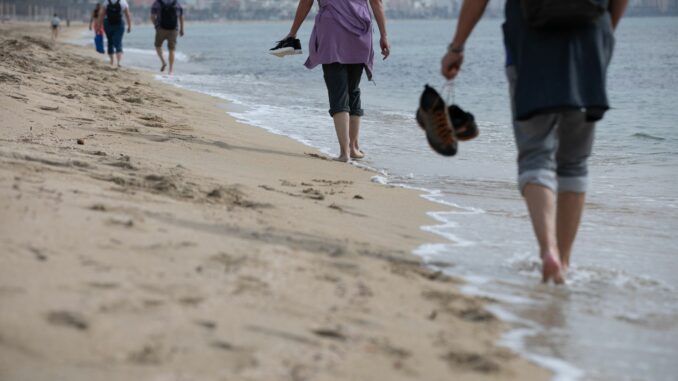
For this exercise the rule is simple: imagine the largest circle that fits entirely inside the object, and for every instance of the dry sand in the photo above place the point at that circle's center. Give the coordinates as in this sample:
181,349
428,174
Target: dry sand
146,235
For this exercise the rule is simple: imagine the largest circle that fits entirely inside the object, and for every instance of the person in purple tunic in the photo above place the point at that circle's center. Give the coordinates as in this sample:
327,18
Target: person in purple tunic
341,42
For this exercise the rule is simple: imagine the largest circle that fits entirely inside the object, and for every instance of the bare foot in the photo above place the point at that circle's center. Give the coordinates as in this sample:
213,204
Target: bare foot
564,267
551,269
343,159
162,68
357,154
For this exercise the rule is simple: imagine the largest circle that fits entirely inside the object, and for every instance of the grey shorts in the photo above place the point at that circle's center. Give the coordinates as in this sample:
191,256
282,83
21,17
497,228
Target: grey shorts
343,81
552,148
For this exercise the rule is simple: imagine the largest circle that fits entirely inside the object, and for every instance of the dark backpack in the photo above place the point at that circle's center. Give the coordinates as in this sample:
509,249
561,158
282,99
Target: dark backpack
562,13
168,15
114,13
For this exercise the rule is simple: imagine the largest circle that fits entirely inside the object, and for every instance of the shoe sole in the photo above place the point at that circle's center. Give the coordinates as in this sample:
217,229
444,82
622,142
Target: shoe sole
286,53
282,52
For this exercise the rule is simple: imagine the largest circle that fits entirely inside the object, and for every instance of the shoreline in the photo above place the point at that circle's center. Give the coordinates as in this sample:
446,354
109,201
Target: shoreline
175,234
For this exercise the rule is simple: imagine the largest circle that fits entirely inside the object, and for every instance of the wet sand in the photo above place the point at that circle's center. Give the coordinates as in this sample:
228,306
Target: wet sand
146,235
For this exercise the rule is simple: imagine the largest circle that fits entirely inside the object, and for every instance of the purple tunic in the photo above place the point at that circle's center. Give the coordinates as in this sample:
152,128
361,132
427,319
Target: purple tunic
342,33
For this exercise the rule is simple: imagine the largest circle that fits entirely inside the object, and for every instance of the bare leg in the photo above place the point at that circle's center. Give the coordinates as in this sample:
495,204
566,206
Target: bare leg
341,122
541,203
570,208
171,61
110,56
118,57
158,49
353,132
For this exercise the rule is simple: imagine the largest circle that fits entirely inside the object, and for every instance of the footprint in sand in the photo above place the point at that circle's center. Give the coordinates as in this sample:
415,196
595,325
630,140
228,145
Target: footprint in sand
68,319
471,361
149,354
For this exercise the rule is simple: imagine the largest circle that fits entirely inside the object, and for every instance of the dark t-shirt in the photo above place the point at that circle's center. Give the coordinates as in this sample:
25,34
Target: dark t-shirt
558,70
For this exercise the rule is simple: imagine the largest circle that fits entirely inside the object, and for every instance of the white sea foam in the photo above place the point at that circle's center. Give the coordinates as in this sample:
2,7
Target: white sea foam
179,56
515,339
379,179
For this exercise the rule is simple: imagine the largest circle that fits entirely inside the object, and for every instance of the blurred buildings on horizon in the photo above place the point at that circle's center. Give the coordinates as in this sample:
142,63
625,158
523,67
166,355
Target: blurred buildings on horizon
277,9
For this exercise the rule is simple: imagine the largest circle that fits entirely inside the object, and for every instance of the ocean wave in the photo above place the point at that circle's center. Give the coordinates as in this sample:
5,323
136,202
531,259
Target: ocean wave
179,56
643,135
580,276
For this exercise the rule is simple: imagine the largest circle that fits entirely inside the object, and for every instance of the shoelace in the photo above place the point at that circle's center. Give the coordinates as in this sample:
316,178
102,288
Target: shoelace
442,128
448,90
280,43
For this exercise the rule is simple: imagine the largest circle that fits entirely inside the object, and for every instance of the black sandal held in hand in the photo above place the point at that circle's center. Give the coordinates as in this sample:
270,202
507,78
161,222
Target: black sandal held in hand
432,117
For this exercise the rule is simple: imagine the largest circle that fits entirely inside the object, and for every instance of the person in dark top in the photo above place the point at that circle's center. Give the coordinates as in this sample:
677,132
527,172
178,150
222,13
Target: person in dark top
111,17
556,66
168,18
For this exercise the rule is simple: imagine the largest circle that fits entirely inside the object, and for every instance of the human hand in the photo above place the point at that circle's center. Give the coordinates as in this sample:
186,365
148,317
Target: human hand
451,64
385,47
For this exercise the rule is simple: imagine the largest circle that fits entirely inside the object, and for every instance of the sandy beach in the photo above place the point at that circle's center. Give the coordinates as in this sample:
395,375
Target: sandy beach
147,235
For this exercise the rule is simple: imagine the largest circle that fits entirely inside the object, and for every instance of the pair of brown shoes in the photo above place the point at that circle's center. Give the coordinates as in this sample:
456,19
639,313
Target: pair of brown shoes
444,126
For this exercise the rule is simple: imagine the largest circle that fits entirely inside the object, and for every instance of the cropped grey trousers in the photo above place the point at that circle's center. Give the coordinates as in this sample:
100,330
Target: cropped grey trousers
552,148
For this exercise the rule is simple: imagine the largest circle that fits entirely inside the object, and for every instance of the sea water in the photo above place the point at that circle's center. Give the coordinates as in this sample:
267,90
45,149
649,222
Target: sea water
617,318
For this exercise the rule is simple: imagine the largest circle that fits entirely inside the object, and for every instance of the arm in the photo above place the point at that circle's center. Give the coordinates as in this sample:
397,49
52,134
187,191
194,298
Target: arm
154,13
471,11
617,9
128,17
181,25
302,11
91,20
378,9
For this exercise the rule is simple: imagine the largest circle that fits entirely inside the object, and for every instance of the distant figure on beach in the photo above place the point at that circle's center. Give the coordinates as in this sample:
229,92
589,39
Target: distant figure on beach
341,42
556,65
56,24
94,19
97,26
168,18
114,26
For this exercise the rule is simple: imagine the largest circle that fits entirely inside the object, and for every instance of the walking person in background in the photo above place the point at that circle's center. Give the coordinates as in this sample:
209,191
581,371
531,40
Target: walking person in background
98,28
114,26
168,18
341,42
556,66
56,24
